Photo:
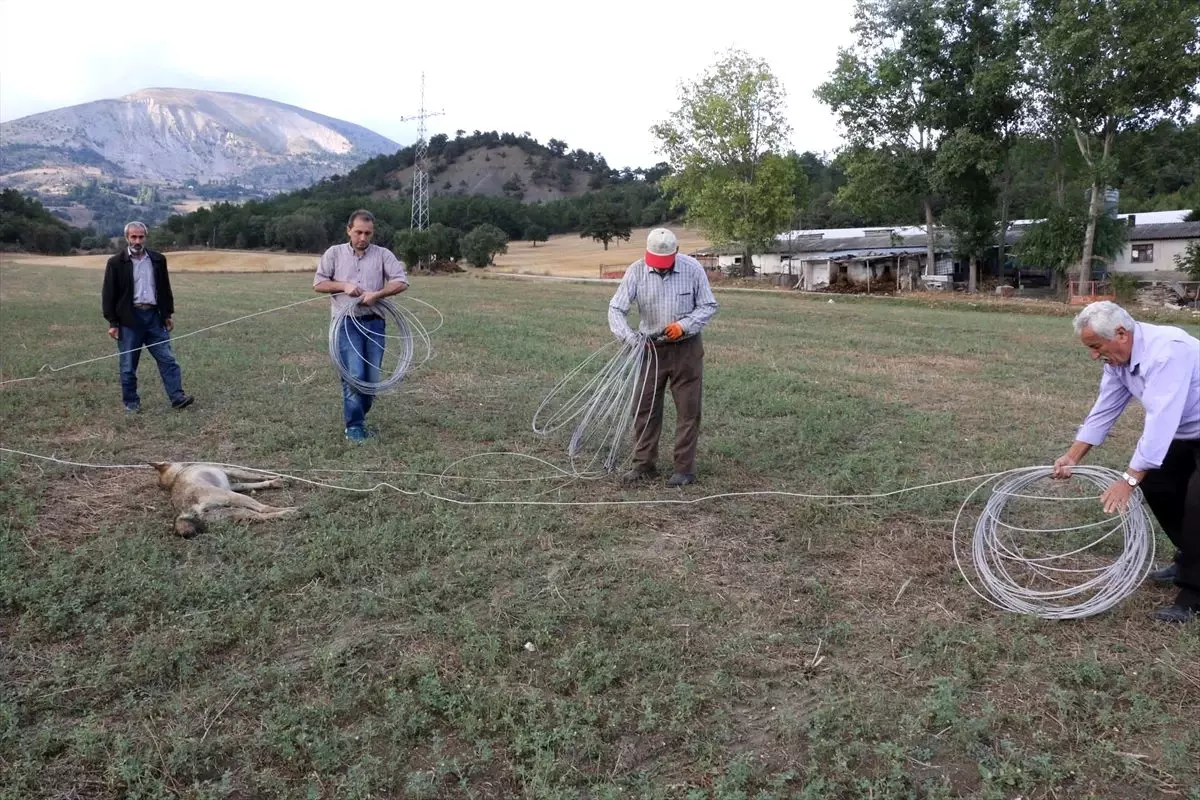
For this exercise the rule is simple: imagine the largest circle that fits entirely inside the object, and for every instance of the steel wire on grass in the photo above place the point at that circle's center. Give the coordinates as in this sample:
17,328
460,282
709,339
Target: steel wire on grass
1002,566
604,407
412,337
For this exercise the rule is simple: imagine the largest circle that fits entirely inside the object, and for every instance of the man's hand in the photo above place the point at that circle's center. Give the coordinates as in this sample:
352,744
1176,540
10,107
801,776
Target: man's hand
169,324
368,298
673,332
1062,467
114,333
1116,497
350,290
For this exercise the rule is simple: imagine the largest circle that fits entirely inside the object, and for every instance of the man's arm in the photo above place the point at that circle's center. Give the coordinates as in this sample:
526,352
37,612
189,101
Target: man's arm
166,297
108,300
706,306
1167,382
389,289
396,279
324,283
1109,404
618,307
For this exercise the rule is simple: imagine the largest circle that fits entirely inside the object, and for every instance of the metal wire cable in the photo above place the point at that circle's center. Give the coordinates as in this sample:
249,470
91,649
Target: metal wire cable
604,407
1037,571
47,368
412,338
993,559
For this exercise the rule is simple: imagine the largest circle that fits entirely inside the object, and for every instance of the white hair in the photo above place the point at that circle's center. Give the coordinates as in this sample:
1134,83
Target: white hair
136,224
1103,317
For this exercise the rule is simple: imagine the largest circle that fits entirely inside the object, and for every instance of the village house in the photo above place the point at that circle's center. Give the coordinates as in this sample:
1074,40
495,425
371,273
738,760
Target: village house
813,259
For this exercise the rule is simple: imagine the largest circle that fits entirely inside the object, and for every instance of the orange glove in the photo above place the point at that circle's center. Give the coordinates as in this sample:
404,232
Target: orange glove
673,332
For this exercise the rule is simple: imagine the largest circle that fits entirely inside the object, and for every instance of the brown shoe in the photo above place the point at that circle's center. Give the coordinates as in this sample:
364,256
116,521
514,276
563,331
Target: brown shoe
638,474
681,479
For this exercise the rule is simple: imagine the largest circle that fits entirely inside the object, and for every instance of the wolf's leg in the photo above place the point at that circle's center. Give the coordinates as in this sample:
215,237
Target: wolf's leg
236,473
226,499
249,515
274,483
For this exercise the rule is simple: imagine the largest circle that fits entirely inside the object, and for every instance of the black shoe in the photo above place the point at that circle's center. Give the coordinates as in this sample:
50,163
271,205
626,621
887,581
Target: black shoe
1167,574
1176,613
637,475
681,479
183,402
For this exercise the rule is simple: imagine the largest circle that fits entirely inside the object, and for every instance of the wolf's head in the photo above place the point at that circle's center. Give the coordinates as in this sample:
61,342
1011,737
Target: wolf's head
188,525
167,472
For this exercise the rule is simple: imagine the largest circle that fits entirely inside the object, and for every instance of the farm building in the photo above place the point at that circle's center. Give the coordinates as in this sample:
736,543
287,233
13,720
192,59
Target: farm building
817,258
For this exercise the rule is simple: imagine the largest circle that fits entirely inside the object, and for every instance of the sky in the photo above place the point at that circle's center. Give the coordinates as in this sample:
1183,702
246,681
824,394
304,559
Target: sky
594,74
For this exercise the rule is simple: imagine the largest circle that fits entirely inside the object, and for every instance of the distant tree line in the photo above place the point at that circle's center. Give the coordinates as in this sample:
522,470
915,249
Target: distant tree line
26,225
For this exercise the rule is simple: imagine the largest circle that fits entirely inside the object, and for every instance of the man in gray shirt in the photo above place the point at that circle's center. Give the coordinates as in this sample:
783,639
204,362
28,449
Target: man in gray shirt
358,274
674,304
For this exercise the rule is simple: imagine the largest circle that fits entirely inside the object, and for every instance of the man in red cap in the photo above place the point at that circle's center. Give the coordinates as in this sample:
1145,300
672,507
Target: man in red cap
674,303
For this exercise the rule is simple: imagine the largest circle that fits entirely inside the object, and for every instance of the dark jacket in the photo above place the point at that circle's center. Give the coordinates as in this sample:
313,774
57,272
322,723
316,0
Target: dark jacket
117,296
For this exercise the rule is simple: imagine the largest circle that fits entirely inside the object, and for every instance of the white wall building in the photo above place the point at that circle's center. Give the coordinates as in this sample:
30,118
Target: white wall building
1153,247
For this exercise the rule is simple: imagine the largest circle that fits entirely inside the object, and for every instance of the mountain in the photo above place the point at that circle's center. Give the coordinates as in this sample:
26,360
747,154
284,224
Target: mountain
176,137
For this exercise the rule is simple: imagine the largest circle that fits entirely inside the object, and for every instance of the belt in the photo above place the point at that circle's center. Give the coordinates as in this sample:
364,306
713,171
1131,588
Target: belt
144,306
368,317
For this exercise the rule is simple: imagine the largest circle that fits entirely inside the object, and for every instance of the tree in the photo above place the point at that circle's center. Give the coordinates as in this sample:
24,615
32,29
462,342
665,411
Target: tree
535,233
514,187
606,221
1106,66
1057,241
299,232
725,146
413,246
1189,260
483,244
889,97
444,242
980,112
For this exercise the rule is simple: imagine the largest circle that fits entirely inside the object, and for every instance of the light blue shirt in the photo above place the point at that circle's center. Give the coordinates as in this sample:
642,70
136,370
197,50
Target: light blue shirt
681,294
1164,374
143,279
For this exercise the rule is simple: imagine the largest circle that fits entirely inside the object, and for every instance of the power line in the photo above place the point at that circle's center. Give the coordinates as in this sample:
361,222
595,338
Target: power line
420,181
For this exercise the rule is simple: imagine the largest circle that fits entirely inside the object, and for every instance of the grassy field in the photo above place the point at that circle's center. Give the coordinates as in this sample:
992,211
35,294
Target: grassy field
393,644
569,255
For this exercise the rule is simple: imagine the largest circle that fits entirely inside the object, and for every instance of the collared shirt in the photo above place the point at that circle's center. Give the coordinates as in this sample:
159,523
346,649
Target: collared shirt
681,294
376,267
143,279
1164,373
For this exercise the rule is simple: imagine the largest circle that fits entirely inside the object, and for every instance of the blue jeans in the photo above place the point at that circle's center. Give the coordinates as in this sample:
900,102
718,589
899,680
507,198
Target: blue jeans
360,345
151,334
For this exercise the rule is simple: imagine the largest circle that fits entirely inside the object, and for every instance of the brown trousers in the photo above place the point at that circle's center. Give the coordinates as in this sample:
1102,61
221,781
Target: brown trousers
680,364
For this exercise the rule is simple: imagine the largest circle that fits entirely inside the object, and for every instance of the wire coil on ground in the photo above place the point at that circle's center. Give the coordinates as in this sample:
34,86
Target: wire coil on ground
1058,572
410,340
604,406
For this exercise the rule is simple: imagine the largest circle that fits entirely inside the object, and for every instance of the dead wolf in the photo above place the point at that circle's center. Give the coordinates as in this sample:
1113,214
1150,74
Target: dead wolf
204,493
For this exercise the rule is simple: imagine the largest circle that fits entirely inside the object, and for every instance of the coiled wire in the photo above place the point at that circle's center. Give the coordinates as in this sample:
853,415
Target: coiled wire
1053,572
411,339
604,407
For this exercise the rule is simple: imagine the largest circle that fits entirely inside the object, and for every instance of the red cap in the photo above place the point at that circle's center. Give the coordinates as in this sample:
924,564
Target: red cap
661,247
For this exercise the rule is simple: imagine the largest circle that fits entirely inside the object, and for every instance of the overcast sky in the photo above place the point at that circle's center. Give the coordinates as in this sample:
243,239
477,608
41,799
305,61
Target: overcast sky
595,74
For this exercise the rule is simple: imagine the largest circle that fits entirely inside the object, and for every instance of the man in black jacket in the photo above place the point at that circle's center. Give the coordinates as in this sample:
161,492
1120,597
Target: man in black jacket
138,305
